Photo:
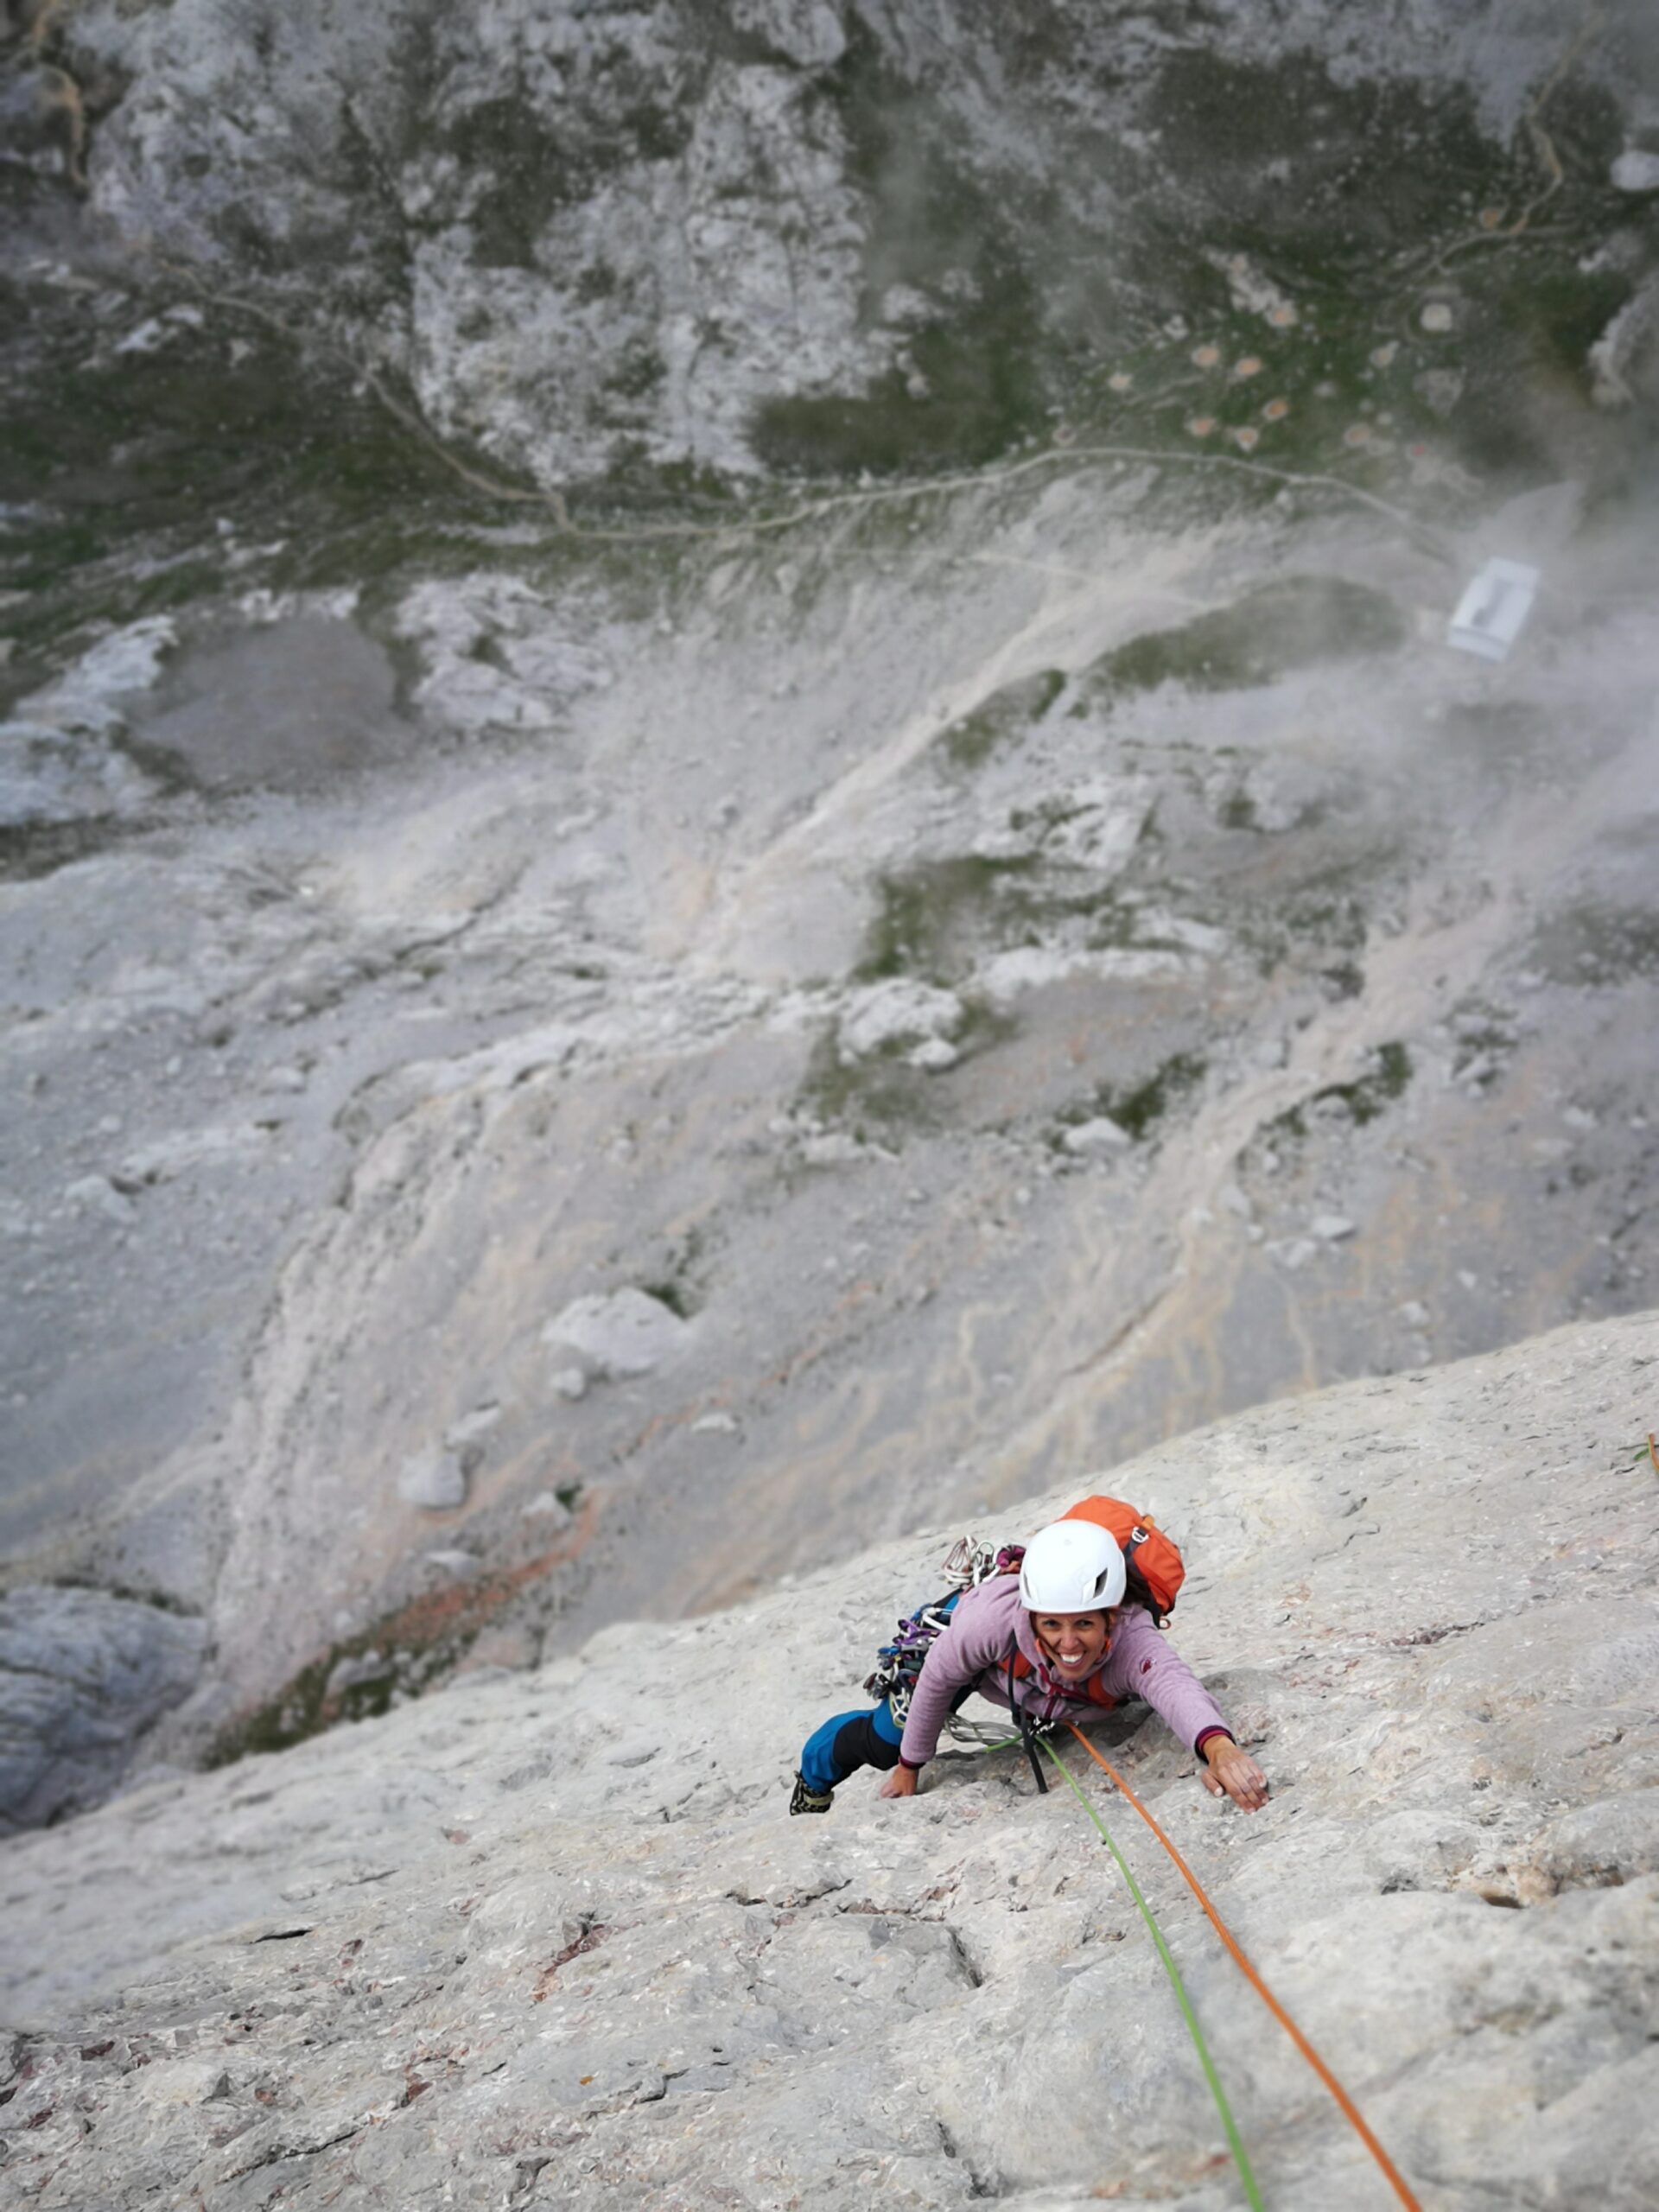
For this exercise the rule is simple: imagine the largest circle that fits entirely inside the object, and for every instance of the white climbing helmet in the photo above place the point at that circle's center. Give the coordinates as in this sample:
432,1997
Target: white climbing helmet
1071,1566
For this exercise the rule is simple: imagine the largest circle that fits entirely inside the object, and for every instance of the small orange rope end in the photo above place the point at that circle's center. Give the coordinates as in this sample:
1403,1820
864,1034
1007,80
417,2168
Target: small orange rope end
1653,1452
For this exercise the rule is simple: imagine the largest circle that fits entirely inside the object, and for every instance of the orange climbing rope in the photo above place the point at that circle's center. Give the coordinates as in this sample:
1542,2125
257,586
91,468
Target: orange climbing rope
1351,2111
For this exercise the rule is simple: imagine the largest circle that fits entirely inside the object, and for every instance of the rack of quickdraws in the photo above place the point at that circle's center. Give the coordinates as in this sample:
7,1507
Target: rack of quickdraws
899,1663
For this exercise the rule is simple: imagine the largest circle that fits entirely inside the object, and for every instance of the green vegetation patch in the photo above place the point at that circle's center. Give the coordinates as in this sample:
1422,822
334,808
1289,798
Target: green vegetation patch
973,392
675,1282
1319,926
970,741
116,469
871,1099
532,168
937,920
1358,203
408,1651
1364,1100
879,1098
303,1707
35,848
930,918
1300,622
976,376
1136,1108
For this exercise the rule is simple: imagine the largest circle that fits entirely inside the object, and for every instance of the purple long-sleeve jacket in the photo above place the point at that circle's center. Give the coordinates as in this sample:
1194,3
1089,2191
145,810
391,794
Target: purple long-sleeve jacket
989,1621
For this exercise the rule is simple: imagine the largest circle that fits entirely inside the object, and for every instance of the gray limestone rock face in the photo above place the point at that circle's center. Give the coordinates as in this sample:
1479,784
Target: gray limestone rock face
699,232
82,1676
57,761
551,1938
586,233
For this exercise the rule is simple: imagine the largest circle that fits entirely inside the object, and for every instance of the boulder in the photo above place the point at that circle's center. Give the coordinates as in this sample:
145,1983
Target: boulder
433,1479
625,1332
1331,1227
1637,170
1100,1134
899,1011
83,1675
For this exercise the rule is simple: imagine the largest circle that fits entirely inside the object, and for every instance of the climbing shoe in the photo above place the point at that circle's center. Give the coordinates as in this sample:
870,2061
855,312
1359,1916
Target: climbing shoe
805,1800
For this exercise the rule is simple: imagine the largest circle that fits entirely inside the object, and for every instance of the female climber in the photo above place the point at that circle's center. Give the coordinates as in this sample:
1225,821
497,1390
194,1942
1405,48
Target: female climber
1056,1644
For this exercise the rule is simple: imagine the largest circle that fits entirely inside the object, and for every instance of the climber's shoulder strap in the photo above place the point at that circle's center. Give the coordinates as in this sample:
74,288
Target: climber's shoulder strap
1093,1689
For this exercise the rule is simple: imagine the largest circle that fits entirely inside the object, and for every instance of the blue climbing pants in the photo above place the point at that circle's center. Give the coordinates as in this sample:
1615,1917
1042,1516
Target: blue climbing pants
848,1741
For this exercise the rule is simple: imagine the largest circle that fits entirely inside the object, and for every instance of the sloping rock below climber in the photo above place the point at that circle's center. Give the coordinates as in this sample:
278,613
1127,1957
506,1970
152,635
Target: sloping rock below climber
553,1939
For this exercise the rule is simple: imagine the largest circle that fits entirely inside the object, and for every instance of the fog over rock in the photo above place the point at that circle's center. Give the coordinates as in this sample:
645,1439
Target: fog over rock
551,1938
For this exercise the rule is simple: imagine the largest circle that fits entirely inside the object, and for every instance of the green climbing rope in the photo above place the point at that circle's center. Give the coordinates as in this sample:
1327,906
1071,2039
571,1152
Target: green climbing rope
1235,2141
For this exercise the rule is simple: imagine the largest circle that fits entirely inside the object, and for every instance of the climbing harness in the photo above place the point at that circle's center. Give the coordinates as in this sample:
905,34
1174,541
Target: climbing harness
1345,2103
1034,1727
1032,1732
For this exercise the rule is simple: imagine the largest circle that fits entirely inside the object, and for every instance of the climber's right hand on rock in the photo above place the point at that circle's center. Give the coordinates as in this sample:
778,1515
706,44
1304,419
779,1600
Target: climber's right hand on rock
1228,1771
901,1783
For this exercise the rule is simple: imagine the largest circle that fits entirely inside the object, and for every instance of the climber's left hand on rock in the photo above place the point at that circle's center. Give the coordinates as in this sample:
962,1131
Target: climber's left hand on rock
1229,1772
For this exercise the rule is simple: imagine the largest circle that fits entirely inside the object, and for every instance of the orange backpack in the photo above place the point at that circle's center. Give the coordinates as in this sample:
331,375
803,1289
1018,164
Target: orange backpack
1154,1565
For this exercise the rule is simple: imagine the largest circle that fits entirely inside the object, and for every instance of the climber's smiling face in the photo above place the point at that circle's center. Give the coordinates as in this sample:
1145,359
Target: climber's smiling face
1073,1643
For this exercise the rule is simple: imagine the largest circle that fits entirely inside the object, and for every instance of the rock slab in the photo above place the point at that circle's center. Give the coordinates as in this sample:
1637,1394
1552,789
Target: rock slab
551,1938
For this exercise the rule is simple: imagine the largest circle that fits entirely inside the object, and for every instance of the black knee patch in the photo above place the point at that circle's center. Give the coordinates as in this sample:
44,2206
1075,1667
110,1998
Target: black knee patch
858,1744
